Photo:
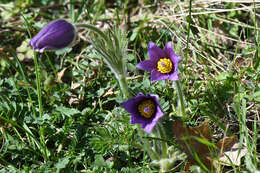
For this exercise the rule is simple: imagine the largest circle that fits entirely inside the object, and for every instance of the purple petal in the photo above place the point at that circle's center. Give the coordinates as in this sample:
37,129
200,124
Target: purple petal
140,96
41,50
56,35
174,76
168,49
156,99
175,59
155,53
137,119
131,106
148,127
42,32
148,124
156,75
147,65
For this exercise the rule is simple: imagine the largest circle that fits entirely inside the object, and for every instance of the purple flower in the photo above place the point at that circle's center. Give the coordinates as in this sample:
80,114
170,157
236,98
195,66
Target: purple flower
163,63
56,35
144,110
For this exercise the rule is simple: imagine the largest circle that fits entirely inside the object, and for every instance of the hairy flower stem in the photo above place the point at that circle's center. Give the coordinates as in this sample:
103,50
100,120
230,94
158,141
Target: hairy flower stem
163,142
123,86
181,104
92,28
38,85
153,155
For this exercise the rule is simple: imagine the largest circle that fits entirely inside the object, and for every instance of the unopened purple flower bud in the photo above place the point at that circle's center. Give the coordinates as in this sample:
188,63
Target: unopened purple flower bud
56,35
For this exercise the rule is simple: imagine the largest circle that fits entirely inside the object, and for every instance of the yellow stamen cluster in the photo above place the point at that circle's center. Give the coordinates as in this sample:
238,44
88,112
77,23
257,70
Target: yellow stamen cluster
164,65
147,108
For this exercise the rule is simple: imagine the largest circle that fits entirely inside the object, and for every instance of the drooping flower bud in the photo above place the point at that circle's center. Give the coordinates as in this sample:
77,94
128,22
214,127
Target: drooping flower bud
56,35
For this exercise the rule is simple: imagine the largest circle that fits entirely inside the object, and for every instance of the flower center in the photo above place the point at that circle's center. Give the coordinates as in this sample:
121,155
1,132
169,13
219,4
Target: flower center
147,108
164,65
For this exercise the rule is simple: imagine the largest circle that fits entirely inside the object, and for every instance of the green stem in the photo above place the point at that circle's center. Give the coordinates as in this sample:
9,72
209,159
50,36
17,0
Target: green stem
156,143
123,86
153,155
92,28
163,142
181,104
38,85
41,132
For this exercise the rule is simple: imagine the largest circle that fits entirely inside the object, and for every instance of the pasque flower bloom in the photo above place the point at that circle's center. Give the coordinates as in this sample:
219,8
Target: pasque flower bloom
56,35
163,63
144,110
